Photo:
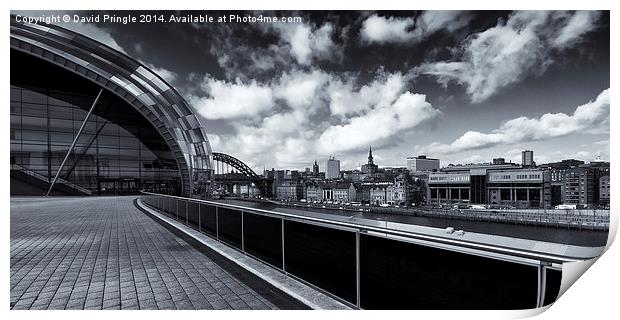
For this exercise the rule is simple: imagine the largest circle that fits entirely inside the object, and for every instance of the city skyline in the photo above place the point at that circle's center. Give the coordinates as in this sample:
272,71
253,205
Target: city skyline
322,162
407,83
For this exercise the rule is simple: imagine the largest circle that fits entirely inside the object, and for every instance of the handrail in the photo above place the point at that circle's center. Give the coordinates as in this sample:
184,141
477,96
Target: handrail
47,180
29,172
399,233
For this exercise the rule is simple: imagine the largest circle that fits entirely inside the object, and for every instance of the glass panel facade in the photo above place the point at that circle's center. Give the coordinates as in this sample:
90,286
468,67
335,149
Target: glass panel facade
118,152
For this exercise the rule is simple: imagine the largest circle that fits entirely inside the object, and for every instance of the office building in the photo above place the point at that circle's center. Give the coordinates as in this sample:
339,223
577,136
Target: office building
290,190
314,192
527,158
497,186
445,187
398,192
604,191
422,163
343,192
332,168
557,169
580,186
519,188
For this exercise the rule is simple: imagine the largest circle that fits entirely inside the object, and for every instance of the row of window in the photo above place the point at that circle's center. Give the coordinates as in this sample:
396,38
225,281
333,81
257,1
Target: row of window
449,178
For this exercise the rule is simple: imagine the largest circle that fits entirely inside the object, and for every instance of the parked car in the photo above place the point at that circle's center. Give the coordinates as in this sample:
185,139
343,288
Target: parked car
566,206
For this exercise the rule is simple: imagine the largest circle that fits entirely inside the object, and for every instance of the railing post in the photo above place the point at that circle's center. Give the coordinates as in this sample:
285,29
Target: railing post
542,279
283,260
217,222
199,216
357,267
242,234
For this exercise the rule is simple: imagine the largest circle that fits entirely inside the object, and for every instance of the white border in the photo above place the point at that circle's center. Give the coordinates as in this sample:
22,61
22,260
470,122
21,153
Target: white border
593,296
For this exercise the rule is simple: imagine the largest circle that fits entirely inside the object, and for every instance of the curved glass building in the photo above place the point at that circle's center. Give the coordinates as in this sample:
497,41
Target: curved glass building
96,121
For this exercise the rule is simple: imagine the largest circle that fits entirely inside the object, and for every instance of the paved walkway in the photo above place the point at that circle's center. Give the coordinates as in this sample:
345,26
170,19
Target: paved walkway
103,253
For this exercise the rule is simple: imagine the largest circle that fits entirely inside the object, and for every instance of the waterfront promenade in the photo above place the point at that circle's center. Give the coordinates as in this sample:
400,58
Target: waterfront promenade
563,235
104,253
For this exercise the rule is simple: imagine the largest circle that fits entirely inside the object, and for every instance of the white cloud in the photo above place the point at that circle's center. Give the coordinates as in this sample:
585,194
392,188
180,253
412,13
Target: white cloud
379,124
300,119
298,44
387,30
300,89
579,24
377,29
278,140
238,60
559,155
510,51
228,100
381,92
602,143
306,42
550,125
435,20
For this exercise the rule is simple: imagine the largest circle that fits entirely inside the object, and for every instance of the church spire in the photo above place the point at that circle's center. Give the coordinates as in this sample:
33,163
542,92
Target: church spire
370,155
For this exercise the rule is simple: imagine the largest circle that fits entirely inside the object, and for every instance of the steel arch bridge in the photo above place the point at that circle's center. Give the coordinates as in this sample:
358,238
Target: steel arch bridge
244,171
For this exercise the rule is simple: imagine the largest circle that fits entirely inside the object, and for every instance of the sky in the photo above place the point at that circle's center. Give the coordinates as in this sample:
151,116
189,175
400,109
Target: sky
461,86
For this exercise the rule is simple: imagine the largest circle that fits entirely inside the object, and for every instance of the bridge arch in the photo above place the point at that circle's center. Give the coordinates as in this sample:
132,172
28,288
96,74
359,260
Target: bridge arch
262,184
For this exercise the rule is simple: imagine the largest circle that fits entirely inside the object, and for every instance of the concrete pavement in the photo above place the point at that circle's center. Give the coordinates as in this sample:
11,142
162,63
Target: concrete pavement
103,253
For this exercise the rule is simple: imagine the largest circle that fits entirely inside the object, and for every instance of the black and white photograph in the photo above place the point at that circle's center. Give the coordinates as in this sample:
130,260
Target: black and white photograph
306,159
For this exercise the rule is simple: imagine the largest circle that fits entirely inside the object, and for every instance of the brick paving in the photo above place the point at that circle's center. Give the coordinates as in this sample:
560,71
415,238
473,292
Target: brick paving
103,253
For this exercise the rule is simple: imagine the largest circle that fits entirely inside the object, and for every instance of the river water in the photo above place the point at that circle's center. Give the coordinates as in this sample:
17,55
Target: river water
589,238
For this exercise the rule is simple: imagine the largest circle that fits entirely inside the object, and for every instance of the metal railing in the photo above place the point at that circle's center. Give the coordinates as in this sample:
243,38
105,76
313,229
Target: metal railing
45,179
374,267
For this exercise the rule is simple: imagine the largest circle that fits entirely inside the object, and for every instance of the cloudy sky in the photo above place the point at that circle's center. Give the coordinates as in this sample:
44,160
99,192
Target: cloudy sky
461,86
